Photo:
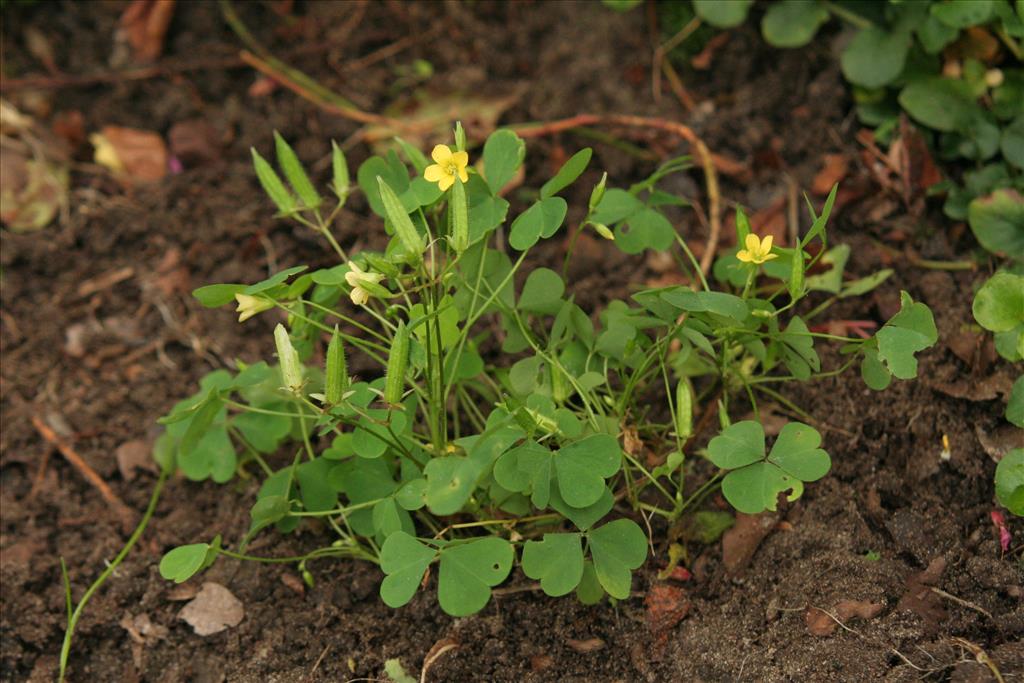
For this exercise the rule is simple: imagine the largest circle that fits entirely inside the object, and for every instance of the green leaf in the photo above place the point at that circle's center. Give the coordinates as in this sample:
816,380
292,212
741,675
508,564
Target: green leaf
1012,142
201,422
556,561
570,171
935,35
274,280
404,560
272,185
962,13
504,152
755,481
585,517
589,592
722,13
873,371
316,492
583,466
797,453
1010,481
645,229
618,548
396,673
213,296
864,285
450,482
295,174
798,349
940,103
339,172
616,205
1015,405
527,469
266,511
542,292
469,571
523,377
738,445
182,563
998,222
875,57
909,331
720,303
392,170
999,304
542,219
792,23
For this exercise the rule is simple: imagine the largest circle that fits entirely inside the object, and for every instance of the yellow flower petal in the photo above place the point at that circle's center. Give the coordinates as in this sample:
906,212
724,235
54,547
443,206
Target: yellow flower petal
359,296
441,154
433,173
768,257
463,174
445,182
460,159
766,244
752,243
744,256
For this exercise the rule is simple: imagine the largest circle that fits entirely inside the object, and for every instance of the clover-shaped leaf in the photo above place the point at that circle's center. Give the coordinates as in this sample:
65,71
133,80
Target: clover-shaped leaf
557,562
583,466
618,548
755,481
404,560
541,220
528,470
469,571
909,331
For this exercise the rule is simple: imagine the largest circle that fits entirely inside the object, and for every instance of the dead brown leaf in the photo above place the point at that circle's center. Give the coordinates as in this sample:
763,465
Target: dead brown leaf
194,142
820,623
585,646
741,541
834,169
136,156
214,609
144,26
919,597
134,455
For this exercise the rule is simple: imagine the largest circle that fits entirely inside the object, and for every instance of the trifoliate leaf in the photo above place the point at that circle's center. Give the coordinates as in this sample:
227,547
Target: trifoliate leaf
909,331
582,467
618,548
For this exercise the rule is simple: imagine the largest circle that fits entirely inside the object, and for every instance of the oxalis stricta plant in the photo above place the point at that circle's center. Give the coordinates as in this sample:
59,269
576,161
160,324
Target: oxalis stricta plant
492,428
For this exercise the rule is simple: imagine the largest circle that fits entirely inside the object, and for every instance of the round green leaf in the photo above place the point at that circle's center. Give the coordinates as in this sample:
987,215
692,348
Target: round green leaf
755,488
469,570
722,13
182,563
940,103
1010,481
962,13
796,452
504,152
875,57
404,560
998,222
557,562
583,466
738,445
618,548
999,304
542,292
792,23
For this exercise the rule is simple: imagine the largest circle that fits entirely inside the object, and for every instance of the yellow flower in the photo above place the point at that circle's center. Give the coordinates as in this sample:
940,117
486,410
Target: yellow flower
447,165
248,306
355,278
757,251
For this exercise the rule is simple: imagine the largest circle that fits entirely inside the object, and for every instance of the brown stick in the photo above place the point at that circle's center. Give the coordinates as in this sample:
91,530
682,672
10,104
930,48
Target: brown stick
123,512
683,131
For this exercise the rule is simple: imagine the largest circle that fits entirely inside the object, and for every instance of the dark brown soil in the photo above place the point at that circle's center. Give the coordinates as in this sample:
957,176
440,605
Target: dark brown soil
145,343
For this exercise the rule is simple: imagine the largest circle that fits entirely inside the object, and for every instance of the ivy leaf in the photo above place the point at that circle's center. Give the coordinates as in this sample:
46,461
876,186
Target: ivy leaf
618,548
404,560
557,562
909,331
469,571
583,466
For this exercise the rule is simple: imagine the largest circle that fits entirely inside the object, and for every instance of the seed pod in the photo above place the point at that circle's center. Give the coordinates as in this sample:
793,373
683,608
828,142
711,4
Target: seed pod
684,409
597,194
460,137
400,221
288,357
337,370
460,217
272,185
339,168
561,389
398,361
295,174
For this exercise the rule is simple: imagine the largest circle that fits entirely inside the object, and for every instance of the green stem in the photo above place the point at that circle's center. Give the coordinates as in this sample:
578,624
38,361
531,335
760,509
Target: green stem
75,615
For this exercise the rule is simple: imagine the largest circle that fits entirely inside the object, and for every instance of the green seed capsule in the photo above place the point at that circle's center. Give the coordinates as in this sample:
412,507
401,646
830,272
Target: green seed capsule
684,409
796,274
288,357
398,361
561,389
460,218
337,370
412,241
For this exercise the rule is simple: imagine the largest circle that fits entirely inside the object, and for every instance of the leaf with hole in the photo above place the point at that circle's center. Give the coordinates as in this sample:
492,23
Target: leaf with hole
468,572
